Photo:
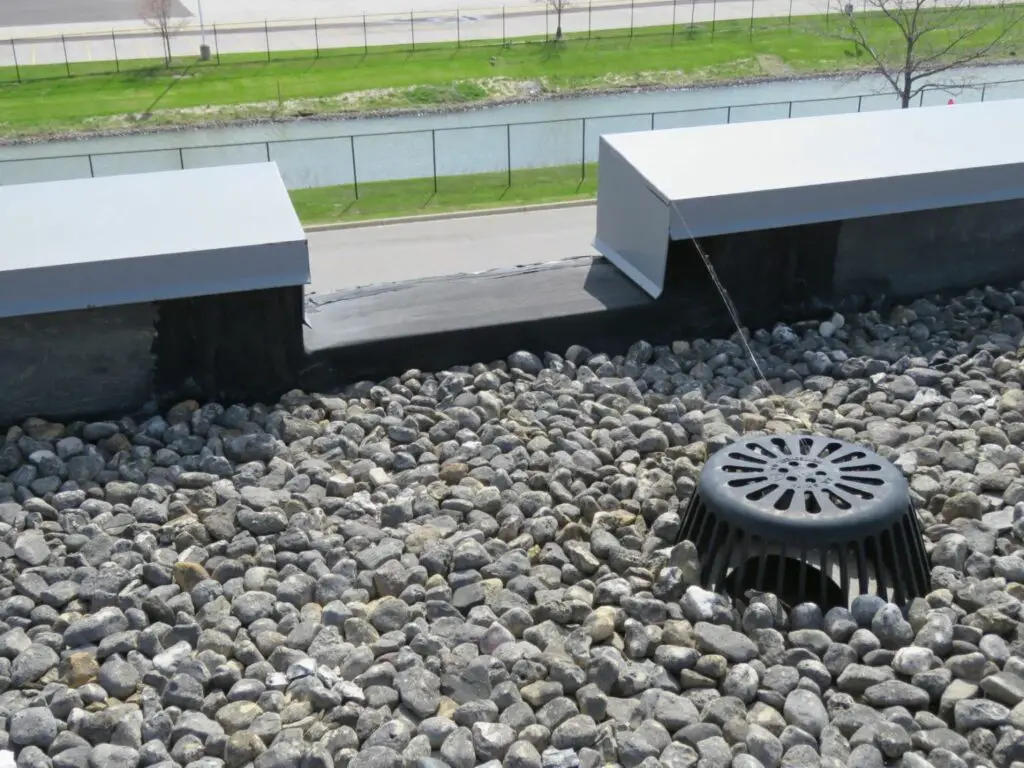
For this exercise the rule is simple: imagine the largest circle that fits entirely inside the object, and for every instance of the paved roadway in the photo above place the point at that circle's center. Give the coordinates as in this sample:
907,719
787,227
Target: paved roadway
416,250
30,13
37,29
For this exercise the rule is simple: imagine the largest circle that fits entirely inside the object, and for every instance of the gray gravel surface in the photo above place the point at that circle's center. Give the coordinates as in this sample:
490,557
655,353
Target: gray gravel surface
476,567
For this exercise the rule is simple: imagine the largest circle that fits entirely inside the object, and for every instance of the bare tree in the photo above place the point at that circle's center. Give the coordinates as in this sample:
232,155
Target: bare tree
917,45
159,14
559,7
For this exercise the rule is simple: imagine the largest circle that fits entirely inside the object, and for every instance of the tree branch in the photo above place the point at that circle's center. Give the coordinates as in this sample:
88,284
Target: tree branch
909,41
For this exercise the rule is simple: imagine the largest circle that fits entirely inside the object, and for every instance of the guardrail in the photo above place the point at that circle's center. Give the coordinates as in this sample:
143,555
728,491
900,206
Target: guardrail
359,159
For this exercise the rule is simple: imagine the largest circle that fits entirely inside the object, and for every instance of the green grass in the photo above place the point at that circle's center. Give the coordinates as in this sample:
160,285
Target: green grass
416,197
297,83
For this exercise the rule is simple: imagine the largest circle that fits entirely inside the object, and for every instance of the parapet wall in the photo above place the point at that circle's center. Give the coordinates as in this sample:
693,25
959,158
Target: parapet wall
934,251
793,272
113,360
249,346
65,364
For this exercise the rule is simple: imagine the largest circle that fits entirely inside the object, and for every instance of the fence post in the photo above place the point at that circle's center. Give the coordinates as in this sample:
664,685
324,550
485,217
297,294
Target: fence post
181,159
92,171
17,67
316,35
632,9
789,19
983,87
652,121
693,12
412,30
547,27
67,65
266,34
458,29
860,103
267,145
750,34
675,6
789,112
714,18
590,18
583,152
433,153
366,45
503,25
117,61
728,115
920,102
216,43
355,175
508,151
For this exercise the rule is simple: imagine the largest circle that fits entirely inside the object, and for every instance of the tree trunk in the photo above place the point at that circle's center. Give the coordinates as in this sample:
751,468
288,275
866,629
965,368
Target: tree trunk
906,92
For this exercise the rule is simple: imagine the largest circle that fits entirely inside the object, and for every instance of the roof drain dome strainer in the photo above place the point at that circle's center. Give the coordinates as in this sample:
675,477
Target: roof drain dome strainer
808,518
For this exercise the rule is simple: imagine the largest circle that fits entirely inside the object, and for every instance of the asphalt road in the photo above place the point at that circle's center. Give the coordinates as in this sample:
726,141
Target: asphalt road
30,13
349,258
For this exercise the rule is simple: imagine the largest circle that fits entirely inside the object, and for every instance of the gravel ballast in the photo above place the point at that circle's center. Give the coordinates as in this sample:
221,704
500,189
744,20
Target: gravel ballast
477,567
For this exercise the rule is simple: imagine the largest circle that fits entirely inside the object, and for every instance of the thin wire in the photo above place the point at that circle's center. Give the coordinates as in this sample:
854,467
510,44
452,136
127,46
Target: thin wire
729,306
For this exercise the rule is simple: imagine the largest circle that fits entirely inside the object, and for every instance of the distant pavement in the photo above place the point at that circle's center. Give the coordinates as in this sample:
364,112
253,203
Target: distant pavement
69,13
425,249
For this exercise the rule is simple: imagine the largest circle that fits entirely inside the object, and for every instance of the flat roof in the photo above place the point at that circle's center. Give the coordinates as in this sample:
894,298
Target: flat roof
147,237
708,161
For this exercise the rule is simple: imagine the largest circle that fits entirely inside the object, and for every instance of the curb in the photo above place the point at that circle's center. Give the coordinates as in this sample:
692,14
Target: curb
449,215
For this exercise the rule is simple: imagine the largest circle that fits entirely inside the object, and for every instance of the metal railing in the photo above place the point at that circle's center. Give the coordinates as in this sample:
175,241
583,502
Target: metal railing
51,55
432,154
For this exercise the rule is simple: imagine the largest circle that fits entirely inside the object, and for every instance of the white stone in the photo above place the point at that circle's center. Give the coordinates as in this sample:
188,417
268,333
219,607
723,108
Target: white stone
277,681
